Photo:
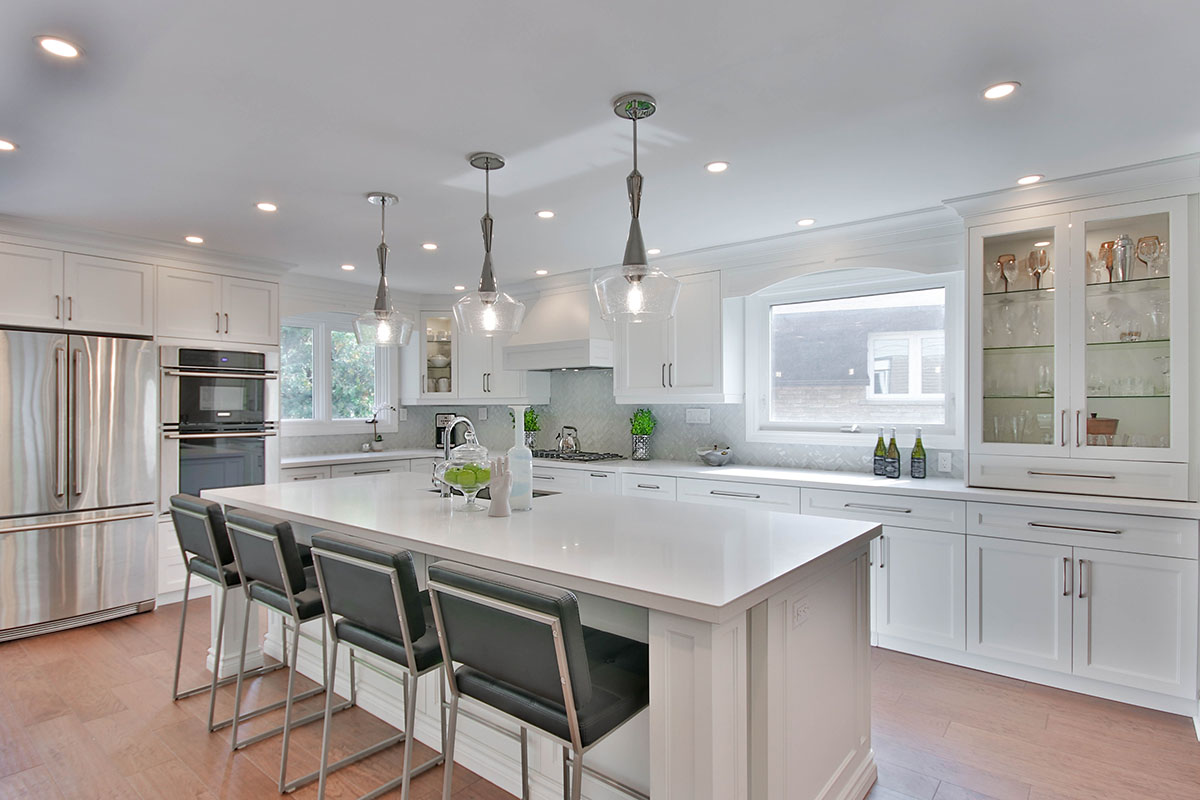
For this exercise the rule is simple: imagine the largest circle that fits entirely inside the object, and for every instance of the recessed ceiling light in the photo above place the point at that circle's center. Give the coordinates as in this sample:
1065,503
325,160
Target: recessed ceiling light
194,239
460,288
546,214
1028,179
717,166
266,206
1041,244
429,246
59,47
653,251
999,90
6,145
804,223
348,267
541,272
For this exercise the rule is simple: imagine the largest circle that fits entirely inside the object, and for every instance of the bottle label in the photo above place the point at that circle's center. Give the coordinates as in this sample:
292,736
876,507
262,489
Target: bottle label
917,469
879,465
892,468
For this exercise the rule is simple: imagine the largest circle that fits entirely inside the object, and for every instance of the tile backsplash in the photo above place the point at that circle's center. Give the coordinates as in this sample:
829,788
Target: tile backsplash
585,399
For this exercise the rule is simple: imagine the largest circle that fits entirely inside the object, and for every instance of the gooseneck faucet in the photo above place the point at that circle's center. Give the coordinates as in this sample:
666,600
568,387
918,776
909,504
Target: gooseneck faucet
450,426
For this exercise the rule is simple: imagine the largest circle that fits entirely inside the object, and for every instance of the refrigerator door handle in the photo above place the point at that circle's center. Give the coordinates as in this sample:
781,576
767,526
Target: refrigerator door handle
60,424
74,523
76,456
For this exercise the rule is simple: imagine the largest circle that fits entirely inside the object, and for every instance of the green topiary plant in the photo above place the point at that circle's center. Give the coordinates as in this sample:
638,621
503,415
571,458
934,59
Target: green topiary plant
532,420
642,422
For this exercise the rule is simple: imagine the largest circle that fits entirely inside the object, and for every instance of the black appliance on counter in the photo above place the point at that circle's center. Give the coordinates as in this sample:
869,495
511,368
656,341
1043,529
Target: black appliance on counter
440,421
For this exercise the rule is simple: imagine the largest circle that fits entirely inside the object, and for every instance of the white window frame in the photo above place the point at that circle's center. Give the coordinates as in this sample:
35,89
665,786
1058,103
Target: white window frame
915,361
322,423
844,284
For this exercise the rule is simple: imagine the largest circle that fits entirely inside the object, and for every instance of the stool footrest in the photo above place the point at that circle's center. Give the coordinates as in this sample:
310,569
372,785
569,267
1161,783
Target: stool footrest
296,723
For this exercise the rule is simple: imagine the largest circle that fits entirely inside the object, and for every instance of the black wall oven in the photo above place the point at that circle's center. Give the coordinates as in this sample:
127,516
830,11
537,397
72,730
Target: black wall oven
220,411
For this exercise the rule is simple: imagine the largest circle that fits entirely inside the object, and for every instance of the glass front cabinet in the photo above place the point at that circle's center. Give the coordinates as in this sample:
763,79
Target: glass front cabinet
1079,343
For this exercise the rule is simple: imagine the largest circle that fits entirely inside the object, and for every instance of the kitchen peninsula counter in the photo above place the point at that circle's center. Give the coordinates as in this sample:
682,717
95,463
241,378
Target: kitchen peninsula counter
780,712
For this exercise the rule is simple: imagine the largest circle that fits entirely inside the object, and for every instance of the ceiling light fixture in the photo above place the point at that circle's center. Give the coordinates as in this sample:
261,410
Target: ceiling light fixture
653,251
1029,179
59,47
546,214
460,288
266,207
1041,244
429,246
383,325
804,223
7,146
194,239
348,267
1000,90
636,291
488,311
717,166
541,272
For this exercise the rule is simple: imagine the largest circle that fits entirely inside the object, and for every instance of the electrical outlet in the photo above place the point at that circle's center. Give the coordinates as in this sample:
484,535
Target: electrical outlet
700,416
482,414
401,414
945,462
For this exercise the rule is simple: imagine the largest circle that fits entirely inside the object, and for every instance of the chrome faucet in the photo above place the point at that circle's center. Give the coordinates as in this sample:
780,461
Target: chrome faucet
450,426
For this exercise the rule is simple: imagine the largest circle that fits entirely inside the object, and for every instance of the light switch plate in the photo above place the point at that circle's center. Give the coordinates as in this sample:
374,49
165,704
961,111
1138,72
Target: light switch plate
482,414
700,416
401,414
945,462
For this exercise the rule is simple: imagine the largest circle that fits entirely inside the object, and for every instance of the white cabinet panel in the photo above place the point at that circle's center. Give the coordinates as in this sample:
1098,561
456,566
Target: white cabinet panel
189,304
558,479
32,278
695,363
740,495
1161,480
908,512
108,295
660,486
920,580
368,468
1019,602
250,310
474,362
303,473
1135,621
642,353
602,482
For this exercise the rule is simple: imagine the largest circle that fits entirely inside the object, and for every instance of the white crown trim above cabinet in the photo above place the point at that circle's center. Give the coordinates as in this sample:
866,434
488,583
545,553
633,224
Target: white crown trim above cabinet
202,305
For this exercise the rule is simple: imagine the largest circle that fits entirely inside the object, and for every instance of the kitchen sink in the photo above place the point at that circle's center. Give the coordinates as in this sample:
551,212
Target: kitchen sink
484,494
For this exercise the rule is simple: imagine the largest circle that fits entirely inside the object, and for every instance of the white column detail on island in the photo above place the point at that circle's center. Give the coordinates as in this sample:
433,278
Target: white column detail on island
235,610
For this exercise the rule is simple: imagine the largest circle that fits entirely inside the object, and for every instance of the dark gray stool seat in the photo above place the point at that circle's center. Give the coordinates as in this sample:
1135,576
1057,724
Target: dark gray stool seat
620,688
308,601
226,576
426,650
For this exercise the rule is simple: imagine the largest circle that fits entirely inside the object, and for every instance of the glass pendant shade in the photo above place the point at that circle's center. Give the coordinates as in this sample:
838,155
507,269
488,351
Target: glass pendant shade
383,325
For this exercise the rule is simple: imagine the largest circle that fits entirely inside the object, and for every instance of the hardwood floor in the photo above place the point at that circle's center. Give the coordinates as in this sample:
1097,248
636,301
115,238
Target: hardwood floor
87,713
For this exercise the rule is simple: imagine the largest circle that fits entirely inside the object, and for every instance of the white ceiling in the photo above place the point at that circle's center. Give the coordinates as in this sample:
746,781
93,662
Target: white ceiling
183,114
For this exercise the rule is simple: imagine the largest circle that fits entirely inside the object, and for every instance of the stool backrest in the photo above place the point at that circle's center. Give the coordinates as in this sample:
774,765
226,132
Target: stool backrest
200,528
505,627
370,585
265,550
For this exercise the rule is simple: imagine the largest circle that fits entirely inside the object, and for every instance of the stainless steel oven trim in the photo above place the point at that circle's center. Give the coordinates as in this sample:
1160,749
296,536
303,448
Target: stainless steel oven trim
168,359
169,459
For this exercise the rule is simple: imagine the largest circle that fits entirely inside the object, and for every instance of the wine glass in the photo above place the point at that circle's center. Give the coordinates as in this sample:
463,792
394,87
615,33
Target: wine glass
1008,269
1105,257
1147,251
1037,263
993,273
1160,265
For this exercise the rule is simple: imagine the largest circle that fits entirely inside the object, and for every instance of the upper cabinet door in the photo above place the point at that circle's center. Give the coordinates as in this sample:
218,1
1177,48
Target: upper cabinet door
108,296
189,304
250,311
474,364
694,366
503,383
642,355
33,287
1020,280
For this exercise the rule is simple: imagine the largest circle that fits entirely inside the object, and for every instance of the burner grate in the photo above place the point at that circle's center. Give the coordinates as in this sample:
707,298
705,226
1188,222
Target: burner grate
577,456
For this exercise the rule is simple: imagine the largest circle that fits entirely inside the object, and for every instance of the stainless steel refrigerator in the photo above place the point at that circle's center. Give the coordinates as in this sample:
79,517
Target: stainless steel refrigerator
77,479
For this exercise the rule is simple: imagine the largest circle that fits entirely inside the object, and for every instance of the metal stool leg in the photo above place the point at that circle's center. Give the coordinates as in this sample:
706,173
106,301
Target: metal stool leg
448,775
324,769
217,656
237,698
410,722
524,763
566,775
187,585
287,713
576,776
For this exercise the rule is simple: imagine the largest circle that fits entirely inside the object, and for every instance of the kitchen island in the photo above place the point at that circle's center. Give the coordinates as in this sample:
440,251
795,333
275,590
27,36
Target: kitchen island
757,623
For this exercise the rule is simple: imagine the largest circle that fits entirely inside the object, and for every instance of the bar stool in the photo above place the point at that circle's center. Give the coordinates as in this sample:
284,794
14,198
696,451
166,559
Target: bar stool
525,653
204,543
272,575
383,611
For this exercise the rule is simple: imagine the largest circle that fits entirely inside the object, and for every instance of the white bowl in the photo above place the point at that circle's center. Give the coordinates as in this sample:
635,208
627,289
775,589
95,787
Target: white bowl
439,361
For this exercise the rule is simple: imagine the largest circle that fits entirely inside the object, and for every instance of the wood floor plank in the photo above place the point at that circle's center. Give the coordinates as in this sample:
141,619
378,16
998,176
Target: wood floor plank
80,767
32,784
170,780
17,753
906,781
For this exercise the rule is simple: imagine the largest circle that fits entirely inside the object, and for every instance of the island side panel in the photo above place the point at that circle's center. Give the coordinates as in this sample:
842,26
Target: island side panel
818,696
698,708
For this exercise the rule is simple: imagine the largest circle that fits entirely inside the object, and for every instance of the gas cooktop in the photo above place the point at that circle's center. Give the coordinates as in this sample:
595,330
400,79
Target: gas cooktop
577,456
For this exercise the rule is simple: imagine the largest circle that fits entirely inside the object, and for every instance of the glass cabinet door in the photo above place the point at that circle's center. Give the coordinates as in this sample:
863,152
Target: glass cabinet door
1130,316
1020,274
438,371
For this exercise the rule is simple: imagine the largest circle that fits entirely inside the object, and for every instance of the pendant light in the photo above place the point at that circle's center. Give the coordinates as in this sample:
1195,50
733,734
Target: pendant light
636,292
488,311
383,325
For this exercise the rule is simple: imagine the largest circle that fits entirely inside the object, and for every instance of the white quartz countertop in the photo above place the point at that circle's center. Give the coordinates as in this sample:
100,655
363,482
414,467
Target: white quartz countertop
358,457
703,562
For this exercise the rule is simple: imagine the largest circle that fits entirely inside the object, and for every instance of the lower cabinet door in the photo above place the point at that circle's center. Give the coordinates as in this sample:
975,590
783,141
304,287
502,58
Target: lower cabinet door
1019,601
920,580
1135,620
559,480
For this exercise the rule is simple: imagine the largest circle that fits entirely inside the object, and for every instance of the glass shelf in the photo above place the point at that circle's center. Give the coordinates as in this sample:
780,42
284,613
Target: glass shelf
1156,342
1012,348
1137,283
1022,396
1129,397
1043,291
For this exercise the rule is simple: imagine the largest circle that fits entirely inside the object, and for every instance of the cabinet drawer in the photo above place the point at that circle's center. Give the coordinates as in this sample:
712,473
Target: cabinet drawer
1100,530
368,468
303,473
733,493
921,513
559,480
661,486
1160,481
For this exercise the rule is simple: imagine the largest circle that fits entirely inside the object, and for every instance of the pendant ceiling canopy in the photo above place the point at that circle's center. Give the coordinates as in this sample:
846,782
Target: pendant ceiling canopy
636,292
488,311
383,325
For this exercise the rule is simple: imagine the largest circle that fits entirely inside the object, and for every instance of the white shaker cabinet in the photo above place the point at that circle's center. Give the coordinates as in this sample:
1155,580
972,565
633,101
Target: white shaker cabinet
108,295
200,305
1019,601
920,583
482,375
569,481
32,278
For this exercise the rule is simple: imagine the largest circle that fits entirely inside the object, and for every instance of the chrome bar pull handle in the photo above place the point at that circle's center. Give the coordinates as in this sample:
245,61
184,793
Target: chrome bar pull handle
1066,576
745,495
241,376
76,456
60,425
58,306
1110,531
882,545
671,374
1063,429
227,322
867,507
218,322
648,486
1081,594
1037,473
1078,441
663,375
70,308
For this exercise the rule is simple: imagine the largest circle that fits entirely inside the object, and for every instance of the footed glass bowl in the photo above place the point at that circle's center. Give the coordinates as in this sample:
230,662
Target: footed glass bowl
468,472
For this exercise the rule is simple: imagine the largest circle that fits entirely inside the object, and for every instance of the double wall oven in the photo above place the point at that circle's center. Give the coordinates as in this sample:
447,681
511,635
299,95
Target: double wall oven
220,418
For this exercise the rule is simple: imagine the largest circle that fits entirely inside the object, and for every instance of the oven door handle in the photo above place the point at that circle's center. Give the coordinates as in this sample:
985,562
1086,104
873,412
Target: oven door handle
241,376
233,435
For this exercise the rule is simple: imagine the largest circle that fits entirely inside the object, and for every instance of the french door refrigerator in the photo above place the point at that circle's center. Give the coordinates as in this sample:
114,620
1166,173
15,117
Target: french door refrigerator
77,479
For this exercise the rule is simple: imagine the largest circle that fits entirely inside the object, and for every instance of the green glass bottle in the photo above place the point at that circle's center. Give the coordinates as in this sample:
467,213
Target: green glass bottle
916,468
880,454
891,463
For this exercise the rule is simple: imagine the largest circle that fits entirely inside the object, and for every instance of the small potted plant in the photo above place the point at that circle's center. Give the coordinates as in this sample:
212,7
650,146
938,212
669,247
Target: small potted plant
641,425
533,424
376,437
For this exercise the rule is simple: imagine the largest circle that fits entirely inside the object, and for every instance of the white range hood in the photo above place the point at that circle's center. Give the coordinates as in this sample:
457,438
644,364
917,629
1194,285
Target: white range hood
562,330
